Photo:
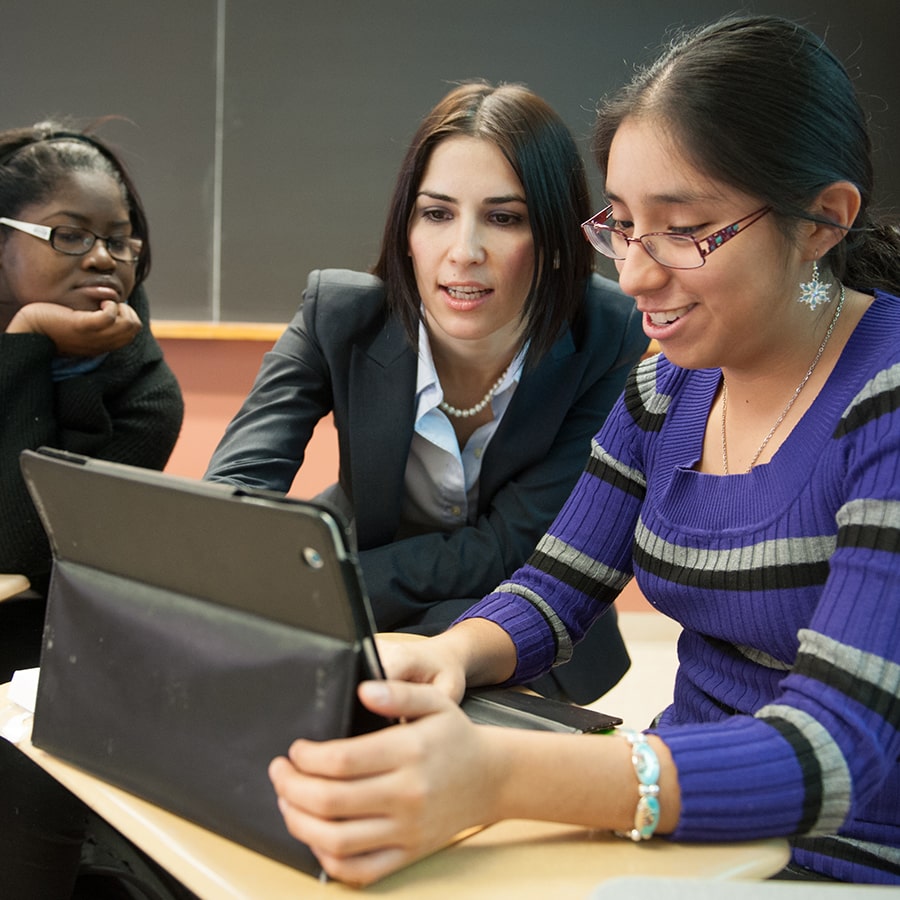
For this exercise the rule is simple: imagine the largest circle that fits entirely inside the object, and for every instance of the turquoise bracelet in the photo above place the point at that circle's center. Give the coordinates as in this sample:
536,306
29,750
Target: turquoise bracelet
646,767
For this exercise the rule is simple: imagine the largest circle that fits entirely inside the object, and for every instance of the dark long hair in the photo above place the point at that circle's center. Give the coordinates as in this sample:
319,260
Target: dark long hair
34,161
545,158
761,104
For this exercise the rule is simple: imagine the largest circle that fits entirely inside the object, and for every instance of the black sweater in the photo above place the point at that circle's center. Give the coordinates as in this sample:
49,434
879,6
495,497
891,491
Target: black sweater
129,409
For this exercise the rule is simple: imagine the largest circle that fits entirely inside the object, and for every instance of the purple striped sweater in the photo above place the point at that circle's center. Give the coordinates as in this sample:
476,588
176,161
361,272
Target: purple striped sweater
786,713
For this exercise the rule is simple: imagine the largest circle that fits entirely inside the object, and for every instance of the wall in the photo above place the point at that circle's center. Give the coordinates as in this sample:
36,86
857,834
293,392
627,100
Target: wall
215,376
265,134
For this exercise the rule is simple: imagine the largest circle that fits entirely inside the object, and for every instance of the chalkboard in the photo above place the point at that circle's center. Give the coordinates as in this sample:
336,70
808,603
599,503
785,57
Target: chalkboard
265,135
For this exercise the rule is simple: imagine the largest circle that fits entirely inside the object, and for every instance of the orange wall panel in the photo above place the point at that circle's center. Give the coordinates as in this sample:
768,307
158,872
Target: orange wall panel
215,377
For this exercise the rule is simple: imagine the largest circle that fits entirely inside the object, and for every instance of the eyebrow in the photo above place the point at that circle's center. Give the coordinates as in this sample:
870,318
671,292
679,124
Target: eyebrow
84,219
667,199
505,198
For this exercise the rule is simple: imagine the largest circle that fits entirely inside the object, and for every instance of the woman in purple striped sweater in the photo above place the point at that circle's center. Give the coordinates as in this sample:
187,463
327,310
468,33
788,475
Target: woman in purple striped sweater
753,471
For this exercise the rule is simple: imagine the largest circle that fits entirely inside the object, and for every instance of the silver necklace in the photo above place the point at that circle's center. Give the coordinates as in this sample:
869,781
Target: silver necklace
479,406
790,402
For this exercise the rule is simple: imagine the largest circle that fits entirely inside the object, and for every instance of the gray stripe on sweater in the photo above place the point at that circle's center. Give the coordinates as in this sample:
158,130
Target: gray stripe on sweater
779,552
880,513
835,785
601,455
563,641
653,401
870,668
585,565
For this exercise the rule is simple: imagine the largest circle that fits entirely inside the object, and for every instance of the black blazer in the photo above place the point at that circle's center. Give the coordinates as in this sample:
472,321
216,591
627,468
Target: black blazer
344,354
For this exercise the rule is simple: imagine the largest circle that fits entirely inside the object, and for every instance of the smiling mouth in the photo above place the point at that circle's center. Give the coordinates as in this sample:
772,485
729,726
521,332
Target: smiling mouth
466,293
666,318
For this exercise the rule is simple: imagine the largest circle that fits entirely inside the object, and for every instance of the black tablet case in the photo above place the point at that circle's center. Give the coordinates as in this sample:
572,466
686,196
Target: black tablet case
195,629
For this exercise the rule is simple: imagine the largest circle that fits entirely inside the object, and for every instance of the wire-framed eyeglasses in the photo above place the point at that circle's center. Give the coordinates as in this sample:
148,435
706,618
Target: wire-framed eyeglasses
668,248
75,241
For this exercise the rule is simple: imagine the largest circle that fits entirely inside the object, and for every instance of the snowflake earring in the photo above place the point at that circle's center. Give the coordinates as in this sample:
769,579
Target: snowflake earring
814,292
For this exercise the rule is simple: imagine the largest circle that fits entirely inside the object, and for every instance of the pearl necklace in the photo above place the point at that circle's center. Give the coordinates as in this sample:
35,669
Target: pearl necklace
479,406
790,402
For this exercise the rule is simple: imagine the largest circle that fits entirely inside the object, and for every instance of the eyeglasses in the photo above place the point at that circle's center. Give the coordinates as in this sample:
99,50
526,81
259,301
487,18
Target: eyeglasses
675,251
79,241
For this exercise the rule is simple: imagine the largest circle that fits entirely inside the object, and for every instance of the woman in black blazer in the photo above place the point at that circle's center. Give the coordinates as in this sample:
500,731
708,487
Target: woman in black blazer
466,375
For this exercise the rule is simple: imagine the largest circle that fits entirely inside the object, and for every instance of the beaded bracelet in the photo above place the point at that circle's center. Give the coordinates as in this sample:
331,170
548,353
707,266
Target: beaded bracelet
646,767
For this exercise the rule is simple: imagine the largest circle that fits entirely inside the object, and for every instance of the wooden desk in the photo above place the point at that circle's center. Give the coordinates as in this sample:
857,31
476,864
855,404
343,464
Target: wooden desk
513,859
10,585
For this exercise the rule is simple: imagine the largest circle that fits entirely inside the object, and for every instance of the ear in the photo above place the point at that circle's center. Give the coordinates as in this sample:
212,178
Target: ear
839,203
